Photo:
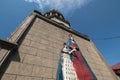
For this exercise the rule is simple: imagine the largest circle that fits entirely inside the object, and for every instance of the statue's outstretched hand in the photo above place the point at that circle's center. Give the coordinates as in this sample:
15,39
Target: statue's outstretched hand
74,49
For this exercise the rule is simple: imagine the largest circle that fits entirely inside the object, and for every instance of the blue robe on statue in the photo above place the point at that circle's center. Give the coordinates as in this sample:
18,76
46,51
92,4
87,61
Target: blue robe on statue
59,72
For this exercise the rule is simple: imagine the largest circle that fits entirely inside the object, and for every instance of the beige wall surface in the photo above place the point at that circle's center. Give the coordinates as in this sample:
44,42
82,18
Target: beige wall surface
38,54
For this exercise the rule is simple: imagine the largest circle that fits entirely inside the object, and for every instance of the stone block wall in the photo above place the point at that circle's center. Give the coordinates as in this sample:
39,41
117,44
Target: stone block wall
38,54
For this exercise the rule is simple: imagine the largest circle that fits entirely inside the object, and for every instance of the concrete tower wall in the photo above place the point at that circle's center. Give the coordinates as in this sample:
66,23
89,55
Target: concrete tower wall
39,45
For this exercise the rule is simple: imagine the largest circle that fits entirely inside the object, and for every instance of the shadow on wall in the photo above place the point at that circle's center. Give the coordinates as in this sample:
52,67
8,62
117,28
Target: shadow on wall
14,54
13,57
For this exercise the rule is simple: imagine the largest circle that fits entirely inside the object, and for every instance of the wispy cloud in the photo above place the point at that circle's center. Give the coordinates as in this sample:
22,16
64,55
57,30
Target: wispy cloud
62,5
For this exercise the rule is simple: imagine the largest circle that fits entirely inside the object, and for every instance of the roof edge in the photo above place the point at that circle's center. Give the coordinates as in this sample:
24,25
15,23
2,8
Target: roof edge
63,26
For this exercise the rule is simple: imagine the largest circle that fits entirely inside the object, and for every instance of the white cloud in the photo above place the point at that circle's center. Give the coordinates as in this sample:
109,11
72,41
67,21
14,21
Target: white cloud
65,6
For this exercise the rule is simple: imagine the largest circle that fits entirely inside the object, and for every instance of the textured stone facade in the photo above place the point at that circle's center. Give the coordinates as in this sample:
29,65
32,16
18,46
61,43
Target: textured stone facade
39,43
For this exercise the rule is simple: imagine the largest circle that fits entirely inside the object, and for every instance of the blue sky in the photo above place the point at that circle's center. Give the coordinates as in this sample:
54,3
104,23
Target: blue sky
98,19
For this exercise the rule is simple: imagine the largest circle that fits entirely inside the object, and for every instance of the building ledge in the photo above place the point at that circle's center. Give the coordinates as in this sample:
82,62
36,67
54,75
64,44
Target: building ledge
62,26
6,44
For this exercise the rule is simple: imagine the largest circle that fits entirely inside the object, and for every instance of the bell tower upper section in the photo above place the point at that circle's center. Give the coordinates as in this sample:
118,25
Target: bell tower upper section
58,17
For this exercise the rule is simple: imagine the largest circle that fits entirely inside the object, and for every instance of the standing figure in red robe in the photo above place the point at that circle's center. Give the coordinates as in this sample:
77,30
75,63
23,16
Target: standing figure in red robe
82,69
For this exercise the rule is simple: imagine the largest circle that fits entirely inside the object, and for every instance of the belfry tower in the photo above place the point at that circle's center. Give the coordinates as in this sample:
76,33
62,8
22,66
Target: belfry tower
32,52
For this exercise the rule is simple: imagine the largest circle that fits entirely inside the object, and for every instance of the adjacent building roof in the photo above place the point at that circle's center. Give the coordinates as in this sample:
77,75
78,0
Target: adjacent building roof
116,68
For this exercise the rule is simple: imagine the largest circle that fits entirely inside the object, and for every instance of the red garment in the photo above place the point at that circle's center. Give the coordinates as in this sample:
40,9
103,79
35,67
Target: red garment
82,70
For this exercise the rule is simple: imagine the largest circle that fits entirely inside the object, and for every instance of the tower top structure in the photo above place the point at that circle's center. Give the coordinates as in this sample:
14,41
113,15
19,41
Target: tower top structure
57,16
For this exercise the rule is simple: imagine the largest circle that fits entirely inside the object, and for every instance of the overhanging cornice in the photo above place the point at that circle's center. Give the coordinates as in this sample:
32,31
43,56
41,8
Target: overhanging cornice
7,45
39,15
